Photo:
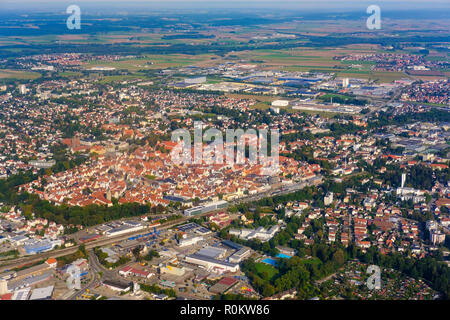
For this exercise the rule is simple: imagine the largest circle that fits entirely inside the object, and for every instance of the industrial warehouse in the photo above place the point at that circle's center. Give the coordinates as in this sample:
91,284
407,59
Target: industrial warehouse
212,264
186,258
206,208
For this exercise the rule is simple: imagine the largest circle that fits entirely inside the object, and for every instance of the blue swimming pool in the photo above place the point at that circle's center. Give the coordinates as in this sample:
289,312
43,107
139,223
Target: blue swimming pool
282,255
270,261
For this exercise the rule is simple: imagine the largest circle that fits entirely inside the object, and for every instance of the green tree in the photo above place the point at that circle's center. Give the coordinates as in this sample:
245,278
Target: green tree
338,257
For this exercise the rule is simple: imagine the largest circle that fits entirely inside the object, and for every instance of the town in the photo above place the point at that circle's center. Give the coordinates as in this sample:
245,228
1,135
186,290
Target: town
94,207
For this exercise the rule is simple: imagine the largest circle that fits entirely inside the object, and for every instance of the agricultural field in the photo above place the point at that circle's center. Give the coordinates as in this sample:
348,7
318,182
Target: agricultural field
19,75
151,62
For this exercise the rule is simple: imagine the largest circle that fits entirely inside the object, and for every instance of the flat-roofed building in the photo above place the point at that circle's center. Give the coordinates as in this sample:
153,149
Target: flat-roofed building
212,252
223,285
42,293
240,255
117,286
260,233
212,264
21,294
280,103
32,271
123,229
183,242
130,271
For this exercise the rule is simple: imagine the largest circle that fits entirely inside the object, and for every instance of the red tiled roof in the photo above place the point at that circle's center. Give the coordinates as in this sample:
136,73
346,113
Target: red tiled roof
227,281
7,296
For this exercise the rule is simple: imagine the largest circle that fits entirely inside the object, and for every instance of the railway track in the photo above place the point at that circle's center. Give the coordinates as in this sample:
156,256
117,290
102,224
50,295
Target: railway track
106,241
90,245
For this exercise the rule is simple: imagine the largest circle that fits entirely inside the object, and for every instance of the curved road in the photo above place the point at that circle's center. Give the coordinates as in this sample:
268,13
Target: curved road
96,268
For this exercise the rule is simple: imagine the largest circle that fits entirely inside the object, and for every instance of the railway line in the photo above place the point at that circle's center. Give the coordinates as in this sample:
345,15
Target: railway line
28,260
90,245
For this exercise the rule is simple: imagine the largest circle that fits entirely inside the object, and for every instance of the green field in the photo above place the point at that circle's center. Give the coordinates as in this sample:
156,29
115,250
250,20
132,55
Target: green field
69,74
321,60
150,62
120,78
19,75
323,114
262,268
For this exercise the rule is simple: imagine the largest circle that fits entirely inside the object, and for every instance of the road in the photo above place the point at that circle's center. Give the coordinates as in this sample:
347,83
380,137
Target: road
100,242
96,268
110,240
319,282
92,283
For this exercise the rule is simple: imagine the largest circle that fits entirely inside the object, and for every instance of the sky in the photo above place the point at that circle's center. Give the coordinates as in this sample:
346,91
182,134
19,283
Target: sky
237,3
130,5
